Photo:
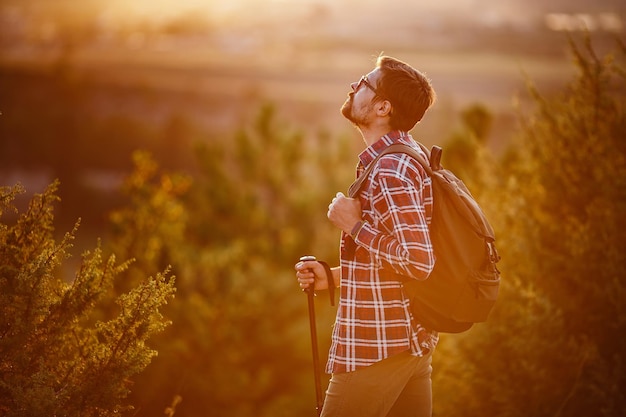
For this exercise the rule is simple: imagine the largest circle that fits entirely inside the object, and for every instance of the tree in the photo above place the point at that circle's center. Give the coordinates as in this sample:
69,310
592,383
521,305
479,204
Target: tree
466,153
553,346
59,353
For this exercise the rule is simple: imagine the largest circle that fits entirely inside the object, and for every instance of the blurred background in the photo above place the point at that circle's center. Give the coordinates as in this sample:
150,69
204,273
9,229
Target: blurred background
206,135
158,65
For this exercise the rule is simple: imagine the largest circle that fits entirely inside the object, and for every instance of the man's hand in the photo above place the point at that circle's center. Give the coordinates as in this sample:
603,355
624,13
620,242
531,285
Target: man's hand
311,273
344,212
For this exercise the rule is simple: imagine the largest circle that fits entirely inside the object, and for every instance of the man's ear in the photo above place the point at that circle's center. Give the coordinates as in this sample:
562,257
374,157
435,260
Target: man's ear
383,108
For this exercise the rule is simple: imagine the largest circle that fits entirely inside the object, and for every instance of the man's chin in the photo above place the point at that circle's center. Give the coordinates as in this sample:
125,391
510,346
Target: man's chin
346,110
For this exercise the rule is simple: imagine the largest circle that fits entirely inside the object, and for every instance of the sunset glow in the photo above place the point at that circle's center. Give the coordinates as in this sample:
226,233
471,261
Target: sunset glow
205,139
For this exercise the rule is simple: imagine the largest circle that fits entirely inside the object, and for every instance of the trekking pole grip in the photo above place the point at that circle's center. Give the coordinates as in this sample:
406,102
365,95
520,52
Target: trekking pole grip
310,290
329,276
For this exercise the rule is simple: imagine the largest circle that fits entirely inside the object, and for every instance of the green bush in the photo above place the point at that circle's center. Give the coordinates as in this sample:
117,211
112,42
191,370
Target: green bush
60,354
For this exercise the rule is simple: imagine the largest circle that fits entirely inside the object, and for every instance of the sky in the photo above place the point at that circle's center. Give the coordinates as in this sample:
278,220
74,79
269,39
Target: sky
484,10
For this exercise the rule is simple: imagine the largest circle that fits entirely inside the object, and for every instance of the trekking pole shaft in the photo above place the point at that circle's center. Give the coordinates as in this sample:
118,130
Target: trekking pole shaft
310,291
316,360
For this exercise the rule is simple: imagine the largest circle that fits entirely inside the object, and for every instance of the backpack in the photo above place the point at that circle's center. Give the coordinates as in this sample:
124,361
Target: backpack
463,285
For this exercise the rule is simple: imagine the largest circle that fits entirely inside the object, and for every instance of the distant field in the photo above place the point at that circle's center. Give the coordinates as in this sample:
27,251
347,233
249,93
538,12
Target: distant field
221,90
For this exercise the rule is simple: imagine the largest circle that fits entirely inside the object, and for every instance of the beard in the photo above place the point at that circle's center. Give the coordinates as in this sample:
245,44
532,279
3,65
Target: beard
348,111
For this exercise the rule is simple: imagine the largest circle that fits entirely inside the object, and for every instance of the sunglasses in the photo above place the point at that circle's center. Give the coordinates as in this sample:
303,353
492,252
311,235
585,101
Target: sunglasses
364,81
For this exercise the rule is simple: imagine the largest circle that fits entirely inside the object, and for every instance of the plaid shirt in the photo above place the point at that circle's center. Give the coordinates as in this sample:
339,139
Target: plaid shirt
373,318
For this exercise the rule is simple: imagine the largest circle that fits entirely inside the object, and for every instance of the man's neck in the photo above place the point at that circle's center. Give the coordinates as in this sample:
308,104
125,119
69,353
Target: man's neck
372,134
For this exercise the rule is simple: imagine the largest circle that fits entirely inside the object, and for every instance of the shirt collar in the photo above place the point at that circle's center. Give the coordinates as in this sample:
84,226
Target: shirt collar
372,151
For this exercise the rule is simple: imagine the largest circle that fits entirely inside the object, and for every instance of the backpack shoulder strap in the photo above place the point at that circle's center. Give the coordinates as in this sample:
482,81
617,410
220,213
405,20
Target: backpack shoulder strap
398,148
434,156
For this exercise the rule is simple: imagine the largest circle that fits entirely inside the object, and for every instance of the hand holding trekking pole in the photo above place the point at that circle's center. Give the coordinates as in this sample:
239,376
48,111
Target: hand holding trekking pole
310,274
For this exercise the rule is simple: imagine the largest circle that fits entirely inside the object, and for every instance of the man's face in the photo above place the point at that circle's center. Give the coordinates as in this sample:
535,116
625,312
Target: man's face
358,108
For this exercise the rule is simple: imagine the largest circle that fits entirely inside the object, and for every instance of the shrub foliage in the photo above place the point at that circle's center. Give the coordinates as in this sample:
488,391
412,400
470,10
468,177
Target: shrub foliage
60,354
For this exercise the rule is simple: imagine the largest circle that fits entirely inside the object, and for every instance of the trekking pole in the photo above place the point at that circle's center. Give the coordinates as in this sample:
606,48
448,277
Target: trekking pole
310,291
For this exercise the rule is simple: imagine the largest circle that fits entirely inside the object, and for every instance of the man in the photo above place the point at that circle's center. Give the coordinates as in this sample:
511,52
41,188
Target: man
380,356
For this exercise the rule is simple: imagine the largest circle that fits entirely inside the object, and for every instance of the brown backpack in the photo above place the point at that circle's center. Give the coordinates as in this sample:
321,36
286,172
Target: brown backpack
463,286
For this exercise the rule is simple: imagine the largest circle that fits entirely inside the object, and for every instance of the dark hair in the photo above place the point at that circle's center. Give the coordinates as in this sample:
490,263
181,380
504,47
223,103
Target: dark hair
408,90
